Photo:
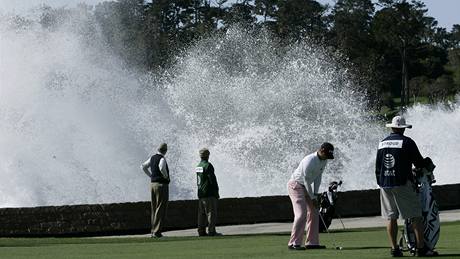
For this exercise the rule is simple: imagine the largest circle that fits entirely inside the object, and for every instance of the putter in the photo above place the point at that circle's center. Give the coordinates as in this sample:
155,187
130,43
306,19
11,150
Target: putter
327,230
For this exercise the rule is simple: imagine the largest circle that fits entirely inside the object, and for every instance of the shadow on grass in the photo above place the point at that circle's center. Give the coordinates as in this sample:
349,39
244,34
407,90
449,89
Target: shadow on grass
18,245
384,247
364,248
355,230
43,242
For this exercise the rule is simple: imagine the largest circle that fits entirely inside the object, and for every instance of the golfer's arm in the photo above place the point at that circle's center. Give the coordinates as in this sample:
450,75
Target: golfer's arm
417,158
317,184
213,177
162,167
145,167
309,190
378,164
307,168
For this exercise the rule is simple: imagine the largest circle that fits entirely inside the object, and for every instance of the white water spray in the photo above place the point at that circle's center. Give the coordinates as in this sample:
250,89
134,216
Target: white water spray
75,124
436,130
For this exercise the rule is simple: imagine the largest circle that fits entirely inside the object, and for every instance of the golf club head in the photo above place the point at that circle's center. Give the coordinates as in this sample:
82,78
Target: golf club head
334,185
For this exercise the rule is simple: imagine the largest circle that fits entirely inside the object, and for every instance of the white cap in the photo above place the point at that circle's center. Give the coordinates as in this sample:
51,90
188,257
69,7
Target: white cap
398,122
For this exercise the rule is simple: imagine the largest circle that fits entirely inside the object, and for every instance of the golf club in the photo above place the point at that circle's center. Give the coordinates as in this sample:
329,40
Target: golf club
333,239
340,218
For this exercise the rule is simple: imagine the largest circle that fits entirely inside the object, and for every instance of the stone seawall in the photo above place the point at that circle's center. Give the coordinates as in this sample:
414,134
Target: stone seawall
134,218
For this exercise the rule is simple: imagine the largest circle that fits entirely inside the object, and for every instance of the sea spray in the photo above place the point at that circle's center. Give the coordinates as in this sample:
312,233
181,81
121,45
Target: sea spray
436,130
76,123
262,111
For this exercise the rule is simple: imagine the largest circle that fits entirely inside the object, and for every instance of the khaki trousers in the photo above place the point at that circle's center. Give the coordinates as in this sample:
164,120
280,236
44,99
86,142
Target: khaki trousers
160,197
400,201
207,213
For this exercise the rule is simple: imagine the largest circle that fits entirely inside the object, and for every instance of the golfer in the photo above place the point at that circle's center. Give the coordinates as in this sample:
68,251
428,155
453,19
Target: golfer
395,156
159,178
304,197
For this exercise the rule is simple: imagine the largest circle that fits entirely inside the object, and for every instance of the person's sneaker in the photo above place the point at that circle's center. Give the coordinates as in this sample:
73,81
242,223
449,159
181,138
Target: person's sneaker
214,234
396,252
315,247
296,247
426,252
157,235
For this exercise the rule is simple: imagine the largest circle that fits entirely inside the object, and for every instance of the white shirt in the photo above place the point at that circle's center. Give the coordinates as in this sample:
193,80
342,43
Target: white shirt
162,166
310,171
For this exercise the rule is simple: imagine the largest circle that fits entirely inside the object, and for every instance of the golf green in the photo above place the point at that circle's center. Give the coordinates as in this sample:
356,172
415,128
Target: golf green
356,243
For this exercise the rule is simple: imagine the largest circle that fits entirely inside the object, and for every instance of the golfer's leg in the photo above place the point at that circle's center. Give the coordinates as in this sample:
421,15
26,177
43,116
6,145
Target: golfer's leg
299,206
312,223
162,205
201,218
153,206
211,211
392,231
390,212
410,207
418,230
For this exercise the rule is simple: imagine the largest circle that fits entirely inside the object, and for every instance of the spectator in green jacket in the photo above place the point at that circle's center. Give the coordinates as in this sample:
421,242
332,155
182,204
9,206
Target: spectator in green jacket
208,194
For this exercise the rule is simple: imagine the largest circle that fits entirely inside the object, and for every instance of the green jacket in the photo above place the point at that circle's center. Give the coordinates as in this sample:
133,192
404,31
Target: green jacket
206,180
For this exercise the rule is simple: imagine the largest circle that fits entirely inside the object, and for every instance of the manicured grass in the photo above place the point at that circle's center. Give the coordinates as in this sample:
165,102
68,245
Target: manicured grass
357,243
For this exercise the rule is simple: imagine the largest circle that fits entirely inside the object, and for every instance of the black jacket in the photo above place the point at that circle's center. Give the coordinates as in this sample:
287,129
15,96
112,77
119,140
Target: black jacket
395,157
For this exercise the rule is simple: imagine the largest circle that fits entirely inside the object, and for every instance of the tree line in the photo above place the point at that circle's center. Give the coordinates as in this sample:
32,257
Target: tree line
395,47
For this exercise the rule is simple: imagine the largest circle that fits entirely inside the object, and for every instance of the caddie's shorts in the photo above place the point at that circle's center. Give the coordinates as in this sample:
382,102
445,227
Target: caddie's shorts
400,201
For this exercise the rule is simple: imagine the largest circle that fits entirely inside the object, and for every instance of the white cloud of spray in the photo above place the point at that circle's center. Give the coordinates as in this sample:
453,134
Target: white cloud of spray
261,112
75,124
436,131
69,112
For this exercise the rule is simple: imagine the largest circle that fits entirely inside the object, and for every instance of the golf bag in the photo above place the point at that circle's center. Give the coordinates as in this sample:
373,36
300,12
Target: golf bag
327,202
424,178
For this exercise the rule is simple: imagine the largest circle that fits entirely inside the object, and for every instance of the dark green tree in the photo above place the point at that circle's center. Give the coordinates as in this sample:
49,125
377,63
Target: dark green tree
266,8
398,50
400,26
301,18
350,32
453,66
351,20
455,36
240,13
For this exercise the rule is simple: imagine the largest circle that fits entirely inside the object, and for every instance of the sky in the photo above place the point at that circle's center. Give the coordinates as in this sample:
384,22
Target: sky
446,12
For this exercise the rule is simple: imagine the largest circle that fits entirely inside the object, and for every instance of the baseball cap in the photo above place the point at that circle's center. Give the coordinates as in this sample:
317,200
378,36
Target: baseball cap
329,150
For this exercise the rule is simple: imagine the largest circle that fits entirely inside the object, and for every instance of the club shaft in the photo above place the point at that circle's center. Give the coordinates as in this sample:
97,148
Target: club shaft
327,230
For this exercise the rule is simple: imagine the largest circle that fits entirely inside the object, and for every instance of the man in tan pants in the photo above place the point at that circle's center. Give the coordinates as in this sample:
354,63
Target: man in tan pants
159,176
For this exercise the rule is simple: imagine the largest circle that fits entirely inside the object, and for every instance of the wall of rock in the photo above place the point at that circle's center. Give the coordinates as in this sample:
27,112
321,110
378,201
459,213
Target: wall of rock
134,218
